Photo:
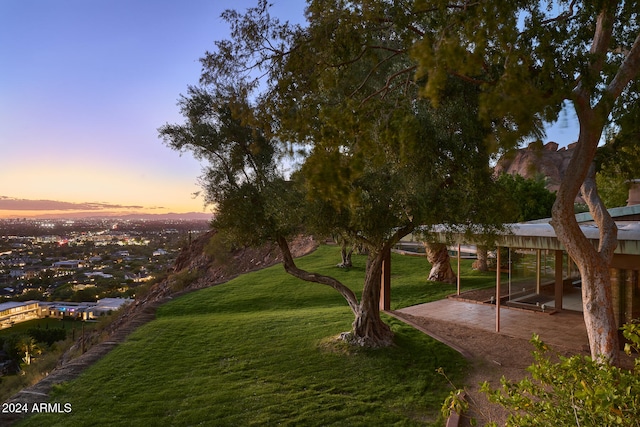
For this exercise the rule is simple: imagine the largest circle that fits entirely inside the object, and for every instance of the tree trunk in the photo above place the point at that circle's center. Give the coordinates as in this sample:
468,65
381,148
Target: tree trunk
291,268
346,250
438,256
592,263
481,263
368,329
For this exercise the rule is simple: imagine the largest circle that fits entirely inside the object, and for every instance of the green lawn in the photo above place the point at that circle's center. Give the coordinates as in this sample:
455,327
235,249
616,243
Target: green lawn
255,351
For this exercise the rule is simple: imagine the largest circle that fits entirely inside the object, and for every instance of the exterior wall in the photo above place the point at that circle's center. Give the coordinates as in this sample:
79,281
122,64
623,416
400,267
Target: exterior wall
625,288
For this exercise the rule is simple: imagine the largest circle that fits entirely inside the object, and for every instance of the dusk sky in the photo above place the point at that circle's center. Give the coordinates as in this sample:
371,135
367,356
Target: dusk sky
84,86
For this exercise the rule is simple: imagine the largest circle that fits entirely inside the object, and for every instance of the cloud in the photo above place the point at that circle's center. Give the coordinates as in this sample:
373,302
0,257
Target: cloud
14,204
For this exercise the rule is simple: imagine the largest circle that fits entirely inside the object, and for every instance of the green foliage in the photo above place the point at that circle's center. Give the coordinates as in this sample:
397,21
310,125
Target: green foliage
11,345
577,390
182,279
528,199
382,157
528,57
617,162
455,403
47,336
613,189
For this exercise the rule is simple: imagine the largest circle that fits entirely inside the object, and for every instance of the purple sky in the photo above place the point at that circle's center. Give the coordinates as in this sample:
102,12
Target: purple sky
84,86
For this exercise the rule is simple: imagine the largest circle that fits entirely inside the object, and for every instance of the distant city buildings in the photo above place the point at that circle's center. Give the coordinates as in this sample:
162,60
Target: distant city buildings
17,312
65,260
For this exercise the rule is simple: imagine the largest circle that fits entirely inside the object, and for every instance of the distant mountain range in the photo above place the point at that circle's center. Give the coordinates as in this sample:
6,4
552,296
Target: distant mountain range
191,216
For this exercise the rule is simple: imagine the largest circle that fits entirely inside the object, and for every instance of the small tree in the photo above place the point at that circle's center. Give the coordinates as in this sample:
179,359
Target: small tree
28,348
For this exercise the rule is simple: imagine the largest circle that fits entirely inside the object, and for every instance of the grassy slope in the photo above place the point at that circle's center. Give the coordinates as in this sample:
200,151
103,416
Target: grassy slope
254,352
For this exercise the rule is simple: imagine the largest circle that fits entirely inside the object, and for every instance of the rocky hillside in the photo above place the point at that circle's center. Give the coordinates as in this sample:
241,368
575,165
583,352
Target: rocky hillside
538,159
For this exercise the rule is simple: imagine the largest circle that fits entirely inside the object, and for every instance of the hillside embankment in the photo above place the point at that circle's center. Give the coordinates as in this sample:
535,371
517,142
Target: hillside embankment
201,264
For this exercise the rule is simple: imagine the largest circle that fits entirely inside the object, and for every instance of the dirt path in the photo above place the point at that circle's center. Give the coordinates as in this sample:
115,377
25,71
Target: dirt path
491,356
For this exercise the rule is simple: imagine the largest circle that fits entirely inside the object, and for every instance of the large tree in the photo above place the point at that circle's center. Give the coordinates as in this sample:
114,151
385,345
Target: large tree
531,59
375,159
379,155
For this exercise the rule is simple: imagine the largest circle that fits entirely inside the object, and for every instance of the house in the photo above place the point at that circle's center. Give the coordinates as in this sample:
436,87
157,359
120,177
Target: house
15,312
107,305
61,310
83,310
71,264
553,282
99,274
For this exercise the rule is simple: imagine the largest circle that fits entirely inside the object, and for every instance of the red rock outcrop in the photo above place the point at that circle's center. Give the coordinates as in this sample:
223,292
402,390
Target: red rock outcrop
538,159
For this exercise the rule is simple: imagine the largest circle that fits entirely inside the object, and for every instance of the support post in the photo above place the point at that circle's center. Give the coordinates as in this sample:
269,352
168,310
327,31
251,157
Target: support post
498,289
558,283
458,274
385,285
538,275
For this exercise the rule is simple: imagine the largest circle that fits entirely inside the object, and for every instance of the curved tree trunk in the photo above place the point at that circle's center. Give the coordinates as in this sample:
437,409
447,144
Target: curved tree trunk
592,263
368,329
481,263
291,268
438,256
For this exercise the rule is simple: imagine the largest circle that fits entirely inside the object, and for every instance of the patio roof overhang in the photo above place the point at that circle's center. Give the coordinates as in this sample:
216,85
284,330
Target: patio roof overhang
541,235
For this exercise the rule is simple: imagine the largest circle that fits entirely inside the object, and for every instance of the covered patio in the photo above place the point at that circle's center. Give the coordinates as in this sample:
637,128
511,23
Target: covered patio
563,329
549,305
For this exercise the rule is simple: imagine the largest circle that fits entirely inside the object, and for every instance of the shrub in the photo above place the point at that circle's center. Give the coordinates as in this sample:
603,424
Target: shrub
47,336
571,391
182,279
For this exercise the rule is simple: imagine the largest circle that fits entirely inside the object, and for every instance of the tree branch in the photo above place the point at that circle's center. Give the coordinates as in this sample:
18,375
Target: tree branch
602,36
399,234
563,16
387,86
629,70
291,268
606,225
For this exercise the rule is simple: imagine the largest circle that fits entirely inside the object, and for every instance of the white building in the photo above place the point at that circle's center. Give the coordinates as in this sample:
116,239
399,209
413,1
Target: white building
15,312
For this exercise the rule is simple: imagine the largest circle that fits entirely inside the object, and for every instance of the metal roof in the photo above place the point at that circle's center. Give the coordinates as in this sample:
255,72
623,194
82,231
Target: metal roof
541,235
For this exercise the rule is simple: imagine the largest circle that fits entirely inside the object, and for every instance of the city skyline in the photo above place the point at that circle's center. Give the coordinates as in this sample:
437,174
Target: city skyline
84,87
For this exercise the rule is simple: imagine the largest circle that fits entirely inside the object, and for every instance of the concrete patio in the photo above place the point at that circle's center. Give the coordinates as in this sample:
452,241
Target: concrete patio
564,329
